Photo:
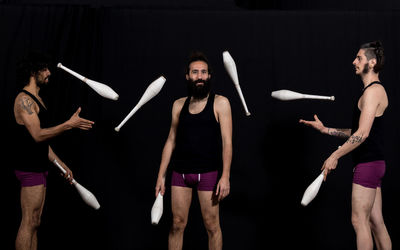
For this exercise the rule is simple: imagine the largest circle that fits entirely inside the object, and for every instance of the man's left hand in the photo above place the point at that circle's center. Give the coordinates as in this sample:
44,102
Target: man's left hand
223,188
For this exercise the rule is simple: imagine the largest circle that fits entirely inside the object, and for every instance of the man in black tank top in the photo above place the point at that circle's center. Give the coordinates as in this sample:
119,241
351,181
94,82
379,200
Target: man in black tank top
365,143
31,135
199,151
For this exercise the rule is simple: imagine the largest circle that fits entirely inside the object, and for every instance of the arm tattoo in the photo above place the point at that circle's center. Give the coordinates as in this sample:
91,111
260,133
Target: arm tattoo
26,105
355,139
339,133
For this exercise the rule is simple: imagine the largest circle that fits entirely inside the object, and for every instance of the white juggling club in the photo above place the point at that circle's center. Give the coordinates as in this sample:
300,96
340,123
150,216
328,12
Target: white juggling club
86,195
100,88
288,95
157,209
230,67
312,190
152,90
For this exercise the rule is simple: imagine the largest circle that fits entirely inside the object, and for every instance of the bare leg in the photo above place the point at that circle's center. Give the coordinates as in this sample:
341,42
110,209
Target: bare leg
32,200
210,212
381,235
362,201
181,198
34,238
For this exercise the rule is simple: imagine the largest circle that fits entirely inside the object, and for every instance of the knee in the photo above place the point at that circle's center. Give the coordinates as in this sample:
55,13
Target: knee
376,223
32,221
178,224
358,220
212,225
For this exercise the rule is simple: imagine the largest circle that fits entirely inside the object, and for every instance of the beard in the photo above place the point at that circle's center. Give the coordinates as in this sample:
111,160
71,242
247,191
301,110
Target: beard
198,91
41,81
365,69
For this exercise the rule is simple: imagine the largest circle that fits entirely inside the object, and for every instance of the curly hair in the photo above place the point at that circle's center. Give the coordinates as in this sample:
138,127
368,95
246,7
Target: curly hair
32,63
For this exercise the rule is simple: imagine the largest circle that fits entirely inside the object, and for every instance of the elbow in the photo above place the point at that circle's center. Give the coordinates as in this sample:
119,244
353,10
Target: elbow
38,138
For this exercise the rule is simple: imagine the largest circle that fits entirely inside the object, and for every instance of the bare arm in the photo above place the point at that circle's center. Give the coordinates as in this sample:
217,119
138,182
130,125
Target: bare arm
369,106
25,110
318,125
223,109
169,146
52,156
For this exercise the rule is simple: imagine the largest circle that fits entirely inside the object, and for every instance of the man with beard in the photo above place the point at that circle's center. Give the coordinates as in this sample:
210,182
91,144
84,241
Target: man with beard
199,150
32,134
365,142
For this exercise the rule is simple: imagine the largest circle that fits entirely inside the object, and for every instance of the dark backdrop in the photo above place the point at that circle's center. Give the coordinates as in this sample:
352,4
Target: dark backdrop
275,158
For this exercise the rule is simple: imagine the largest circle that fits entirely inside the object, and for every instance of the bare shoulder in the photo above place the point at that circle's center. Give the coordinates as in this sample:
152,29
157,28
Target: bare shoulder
178,104
24,102
374,91
221,104
221,100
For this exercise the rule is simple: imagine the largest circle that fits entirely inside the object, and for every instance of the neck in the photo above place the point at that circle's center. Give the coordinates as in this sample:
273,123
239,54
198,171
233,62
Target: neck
369,77
32,87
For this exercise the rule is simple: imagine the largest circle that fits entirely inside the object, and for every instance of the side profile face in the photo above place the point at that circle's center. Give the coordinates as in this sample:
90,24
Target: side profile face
361,64
42,77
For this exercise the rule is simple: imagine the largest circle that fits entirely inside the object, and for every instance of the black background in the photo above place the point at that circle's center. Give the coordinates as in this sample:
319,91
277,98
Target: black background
305,47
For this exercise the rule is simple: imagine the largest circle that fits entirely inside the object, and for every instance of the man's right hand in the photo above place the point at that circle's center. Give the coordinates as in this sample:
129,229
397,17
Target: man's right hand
77,122
160,186
317,124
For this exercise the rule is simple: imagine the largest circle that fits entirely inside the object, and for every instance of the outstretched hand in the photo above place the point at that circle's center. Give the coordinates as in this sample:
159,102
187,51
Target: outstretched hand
317,124
77,122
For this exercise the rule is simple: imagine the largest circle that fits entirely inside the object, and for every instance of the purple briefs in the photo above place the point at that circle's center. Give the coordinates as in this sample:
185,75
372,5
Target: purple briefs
369,174
29,179
203,182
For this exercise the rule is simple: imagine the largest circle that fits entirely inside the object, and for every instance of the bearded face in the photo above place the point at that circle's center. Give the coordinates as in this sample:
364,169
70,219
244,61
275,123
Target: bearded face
199,88
198,80
42,77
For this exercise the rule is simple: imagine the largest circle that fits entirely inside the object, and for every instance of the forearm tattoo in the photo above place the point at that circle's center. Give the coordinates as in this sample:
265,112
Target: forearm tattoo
26,104
355,139
338,132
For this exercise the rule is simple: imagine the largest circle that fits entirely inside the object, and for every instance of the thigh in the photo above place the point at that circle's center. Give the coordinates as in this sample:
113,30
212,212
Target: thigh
32,199
209,205
181,198
362,200
376,213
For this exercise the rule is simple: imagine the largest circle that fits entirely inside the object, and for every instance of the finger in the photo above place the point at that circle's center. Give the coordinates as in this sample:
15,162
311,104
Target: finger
316,118
325,174
83,120
78,111
218,189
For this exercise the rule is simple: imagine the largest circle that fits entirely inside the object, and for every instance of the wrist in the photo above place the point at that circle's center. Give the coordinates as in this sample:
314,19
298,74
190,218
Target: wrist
67,125
325,130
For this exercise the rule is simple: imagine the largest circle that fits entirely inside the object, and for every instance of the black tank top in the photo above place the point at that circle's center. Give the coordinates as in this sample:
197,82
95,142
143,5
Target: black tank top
372,148
198,147
32,156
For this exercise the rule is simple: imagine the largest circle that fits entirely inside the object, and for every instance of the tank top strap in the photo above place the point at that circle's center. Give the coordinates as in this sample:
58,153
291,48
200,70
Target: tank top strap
372,83
35,99
210,101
